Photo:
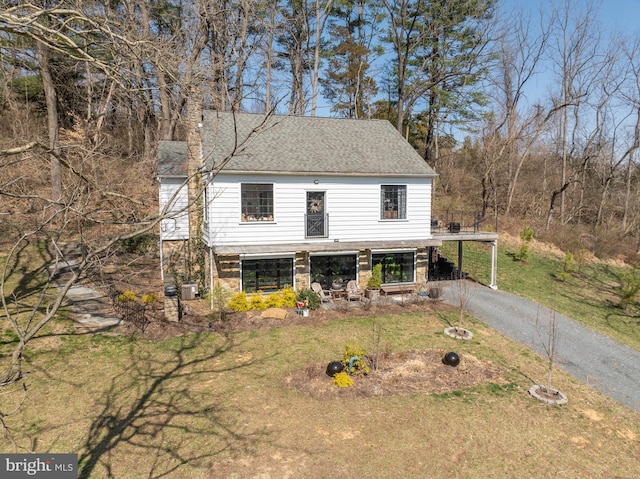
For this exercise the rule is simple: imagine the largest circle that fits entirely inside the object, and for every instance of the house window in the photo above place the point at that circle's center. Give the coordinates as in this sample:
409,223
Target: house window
333,271
393,202
257,202
396,267
267,275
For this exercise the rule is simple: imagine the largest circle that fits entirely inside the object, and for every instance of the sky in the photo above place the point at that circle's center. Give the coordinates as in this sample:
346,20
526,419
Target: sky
614,16
623,15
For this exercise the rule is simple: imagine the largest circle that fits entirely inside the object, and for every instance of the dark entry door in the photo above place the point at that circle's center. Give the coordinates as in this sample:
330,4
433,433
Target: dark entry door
316,218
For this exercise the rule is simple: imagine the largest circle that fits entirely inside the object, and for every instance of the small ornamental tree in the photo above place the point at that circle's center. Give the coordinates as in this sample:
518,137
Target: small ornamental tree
526,235
375,282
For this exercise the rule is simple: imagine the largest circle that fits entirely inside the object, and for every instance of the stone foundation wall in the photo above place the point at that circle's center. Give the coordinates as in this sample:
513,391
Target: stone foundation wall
226,268
226,272
302,270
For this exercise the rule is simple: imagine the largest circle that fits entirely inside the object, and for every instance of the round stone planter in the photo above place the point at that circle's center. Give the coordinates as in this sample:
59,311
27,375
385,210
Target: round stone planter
546,395
458,333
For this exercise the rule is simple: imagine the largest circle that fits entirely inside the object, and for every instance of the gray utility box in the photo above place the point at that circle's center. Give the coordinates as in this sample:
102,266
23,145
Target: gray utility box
189,291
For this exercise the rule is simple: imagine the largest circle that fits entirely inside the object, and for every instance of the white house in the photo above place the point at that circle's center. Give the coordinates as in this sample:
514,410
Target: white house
290,200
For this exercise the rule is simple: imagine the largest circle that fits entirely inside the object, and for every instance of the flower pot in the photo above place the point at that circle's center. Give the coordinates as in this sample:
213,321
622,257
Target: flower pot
372,294
305,313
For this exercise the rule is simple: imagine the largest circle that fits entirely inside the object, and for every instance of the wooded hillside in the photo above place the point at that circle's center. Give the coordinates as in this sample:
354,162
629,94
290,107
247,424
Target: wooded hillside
88,88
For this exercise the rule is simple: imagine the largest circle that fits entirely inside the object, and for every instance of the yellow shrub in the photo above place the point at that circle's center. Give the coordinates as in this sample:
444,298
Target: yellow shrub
239,302
342,380
150,298
127,297
257,302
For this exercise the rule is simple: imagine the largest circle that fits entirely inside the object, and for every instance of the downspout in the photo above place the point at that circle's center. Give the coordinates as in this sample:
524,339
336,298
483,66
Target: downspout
211,277
161,261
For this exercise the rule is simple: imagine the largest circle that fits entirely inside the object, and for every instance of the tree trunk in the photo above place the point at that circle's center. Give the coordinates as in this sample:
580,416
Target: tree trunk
51,99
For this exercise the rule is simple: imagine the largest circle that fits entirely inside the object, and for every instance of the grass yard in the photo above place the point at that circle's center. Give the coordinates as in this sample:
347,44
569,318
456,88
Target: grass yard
223,406
589,293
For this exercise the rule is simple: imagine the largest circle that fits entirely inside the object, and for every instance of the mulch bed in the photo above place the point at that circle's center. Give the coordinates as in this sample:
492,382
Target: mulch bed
400,373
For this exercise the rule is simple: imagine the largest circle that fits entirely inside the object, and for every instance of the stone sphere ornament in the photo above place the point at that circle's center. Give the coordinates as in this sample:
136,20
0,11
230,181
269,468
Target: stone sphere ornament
451,359
334,367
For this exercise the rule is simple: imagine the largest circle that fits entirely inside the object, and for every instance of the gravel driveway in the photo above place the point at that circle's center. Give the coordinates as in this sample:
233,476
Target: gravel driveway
603,363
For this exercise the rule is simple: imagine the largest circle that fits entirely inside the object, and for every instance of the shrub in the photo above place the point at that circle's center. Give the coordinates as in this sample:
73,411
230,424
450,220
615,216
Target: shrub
150,298
239,302
526,235
127,297
289,297
375,282
523,253
257,302
567,268
219,297
285,298
629,288
310,296
359,367
342,380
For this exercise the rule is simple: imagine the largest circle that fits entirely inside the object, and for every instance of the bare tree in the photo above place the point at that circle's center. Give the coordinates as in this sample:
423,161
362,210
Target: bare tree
576,58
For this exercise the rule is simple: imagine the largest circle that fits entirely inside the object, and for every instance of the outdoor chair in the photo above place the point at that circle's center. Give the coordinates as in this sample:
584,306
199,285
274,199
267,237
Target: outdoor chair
325,296
354,291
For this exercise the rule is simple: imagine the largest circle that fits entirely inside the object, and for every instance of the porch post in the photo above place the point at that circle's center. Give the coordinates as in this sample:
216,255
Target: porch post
494,264
459,259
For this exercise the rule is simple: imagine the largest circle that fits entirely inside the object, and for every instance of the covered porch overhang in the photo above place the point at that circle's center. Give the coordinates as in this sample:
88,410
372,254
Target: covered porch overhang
325,247
483,237
344,246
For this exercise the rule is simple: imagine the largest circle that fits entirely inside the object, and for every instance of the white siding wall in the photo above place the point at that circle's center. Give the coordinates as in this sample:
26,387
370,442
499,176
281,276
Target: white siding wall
353,205
176,225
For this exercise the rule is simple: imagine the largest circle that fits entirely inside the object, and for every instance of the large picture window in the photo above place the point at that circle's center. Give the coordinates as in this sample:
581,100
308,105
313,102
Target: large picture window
267,275
393,202
396,267
333,271
257,202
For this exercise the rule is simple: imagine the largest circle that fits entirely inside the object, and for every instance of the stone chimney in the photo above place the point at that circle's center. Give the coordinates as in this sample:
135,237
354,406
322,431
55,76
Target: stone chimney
195,161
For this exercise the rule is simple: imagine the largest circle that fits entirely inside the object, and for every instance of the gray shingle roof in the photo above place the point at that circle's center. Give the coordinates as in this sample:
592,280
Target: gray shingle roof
295,144
172,158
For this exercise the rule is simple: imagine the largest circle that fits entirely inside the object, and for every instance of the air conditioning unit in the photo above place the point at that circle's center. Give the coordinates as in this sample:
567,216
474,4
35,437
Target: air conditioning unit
189,291
454,227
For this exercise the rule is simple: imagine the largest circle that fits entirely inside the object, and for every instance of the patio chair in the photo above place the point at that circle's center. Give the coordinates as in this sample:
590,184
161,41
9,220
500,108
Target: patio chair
325,296
354,291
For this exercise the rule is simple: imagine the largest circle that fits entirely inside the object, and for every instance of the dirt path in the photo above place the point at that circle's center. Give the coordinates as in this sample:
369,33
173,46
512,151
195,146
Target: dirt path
597,360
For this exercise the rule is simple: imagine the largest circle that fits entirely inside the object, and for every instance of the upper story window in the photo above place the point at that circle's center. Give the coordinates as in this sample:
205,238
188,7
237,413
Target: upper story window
257,202
393,200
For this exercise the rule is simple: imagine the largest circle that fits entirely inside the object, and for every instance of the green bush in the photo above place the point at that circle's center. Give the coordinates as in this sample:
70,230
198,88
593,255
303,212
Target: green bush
375,282
310,296
526,235
629,288
568,267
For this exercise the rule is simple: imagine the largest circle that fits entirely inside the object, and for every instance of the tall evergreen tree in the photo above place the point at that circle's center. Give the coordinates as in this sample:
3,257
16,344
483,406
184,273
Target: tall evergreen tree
349,84
438,49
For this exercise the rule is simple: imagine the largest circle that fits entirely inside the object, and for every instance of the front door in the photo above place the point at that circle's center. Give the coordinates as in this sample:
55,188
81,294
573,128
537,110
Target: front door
316,218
